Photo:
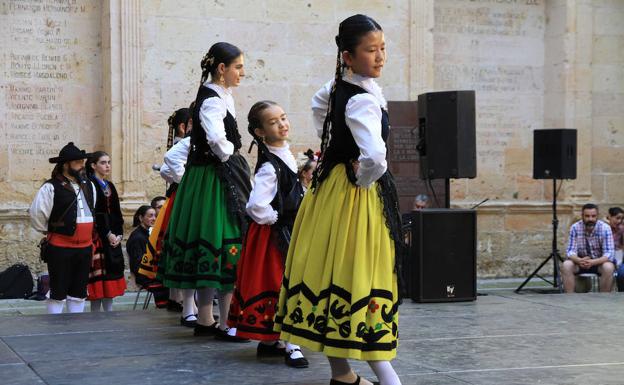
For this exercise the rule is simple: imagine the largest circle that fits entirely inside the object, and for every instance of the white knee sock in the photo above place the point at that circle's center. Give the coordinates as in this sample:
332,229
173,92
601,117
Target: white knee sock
224,308
385,372
54,306
339,366
107,304
176,294
204,299
95,305
294,351
188,302
75,305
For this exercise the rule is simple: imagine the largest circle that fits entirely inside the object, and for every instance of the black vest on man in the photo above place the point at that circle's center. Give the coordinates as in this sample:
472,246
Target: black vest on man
200,150
65,202
342,147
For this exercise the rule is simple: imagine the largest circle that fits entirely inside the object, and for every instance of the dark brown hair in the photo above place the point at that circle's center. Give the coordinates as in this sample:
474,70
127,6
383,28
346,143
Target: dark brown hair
93,159
350,33
221,52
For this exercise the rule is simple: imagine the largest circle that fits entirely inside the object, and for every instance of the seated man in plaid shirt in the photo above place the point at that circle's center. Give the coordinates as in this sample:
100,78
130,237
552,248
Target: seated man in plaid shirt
590,250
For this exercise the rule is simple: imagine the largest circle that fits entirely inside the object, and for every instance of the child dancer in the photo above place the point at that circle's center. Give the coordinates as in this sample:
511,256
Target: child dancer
339,293
203,242
272,206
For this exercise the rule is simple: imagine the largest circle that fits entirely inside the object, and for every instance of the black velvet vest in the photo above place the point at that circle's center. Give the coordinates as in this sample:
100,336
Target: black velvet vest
200,150
289,192
342,147
64,197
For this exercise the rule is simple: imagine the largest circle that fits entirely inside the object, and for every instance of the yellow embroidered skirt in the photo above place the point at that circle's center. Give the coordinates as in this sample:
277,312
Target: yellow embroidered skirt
339,292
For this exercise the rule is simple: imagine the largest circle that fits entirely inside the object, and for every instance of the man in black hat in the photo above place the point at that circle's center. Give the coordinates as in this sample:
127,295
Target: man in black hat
63,211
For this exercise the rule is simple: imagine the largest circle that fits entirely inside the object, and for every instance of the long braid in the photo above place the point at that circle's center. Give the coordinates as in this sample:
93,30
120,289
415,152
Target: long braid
254,122
328,119
171,133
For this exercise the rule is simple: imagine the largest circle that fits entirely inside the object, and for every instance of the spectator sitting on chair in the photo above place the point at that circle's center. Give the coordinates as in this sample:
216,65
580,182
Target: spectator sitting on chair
136,245
157,204
615,219
590,250
421,202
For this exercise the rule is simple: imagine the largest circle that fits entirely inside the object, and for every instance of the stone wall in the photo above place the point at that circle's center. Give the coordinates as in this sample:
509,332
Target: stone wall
107,74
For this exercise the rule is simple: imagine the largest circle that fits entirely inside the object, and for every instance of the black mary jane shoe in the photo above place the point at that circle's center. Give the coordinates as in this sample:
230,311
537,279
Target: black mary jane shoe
299,363
222,335
184,321
273,350
203,330
174,306
357,381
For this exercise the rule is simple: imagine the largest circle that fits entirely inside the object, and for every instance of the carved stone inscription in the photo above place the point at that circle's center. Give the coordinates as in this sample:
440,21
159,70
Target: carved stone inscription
51,81
496,48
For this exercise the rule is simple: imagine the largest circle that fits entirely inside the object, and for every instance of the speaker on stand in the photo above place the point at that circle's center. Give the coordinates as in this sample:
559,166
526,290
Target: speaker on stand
554,157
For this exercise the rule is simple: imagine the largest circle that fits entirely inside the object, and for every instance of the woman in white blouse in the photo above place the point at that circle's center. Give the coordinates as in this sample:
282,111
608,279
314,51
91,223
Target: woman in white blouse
203,242
339,294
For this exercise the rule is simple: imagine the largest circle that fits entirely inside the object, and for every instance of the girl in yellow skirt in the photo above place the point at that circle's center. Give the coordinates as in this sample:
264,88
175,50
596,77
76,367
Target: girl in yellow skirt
339,294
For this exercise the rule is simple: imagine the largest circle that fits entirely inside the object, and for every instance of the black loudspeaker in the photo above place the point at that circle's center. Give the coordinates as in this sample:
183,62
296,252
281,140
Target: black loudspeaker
447,139
442,264
554,153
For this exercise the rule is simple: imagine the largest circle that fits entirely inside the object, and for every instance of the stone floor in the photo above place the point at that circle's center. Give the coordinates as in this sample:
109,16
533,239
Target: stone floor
502,338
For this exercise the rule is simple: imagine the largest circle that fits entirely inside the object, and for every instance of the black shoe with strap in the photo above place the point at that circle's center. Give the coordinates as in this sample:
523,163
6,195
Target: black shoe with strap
274,350
223,335
357,381
189,323
299,363
203,330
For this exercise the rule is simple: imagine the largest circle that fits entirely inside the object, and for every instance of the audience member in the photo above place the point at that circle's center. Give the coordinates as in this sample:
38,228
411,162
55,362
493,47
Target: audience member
590,250
143,220
615,219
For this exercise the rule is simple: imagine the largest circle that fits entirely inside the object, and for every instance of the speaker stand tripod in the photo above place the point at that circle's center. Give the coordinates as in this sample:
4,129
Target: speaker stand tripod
554,253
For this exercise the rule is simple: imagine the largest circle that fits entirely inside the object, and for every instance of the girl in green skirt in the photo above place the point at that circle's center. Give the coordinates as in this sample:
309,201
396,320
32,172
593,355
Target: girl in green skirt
203,243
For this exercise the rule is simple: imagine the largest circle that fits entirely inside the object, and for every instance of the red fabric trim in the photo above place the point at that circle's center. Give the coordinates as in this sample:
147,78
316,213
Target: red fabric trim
259,277
83,237
106,289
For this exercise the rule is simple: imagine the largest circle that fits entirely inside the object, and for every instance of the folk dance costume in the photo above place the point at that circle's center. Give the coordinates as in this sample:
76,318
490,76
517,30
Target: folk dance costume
63,210
203,241
339,293
106,279
171,171
135,247
272,206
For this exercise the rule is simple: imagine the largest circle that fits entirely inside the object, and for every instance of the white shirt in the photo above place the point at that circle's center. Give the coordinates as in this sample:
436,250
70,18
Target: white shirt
211,115
265,188
363,117
41,206
174,164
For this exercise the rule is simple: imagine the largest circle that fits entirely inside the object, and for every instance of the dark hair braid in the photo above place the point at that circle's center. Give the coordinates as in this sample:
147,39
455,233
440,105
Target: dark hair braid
254,121
171,132
350,31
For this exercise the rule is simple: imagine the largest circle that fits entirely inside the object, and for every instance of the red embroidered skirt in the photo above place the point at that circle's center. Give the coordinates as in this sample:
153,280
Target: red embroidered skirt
258,280
99,285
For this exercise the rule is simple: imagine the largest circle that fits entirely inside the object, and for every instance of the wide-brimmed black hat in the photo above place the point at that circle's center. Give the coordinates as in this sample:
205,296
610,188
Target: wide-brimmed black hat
68,153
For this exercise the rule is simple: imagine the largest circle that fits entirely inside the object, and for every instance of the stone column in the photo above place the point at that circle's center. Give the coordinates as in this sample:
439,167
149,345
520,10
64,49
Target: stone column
122,88
568,79
421,75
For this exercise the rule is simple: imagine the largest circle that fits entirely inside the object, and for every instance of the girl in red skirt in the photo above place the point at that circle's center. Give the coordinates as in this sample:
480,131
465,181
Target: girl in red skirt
106,278
272,206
